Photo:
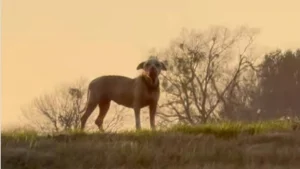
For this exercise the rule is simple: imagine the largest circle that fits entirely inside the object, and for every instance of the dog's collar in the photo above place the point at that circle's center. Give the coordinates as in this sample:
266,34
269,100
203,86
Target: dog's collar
149,83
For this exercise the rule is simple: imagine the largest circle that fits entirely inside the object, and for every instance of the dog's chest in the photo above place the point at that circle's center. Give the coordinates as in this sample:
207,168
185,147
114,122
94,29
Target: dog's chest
150,97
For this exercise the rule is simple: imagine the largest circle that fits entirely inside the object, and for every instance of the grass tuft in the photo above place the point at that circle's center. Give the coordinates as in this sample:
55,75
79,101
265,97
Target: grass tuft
20,134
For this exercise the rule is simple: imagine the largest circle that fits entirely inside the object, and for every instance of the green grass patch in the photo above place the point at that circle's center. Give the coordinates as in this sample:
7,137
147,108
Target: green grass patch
231,129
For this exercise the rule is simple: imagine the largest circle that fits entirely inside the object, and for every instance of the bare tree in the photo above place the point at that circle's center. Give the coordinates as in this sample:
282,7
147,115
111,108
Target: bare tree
59,110
204,67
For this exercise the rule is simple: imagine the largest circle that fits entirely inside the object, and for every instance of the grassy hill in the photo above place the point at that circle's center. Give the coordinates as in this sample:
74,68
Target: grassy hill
270,145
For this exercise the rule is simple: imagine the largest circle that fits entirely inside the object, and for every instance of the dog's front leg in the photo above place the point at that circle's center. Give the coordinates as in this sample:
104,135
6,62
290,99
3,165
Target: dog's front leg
137,118
152,112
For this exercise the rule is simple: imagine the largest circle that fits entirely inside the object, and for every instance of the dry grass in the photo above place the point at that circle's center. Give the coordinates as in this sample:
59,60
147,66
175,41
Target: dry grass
223,146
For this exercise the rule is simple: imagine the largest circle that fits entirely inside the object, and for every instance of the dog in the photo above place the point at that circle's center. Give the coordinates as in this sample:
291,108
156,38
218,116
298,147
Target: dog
135,93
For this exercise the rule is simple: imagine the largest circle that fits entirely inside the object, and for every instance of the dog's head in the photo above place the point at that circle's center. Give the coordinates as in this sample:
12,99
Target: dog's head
152,67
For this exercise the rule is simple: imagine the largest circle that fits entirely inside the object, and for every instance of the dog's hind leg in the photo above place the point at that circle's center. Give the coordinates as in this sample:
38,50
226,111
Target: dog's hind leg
90,108
103,108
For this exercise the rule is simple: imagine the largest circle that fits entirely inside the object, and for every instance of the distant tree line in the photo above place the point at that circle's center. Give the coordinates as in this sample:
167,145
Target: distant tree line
212,76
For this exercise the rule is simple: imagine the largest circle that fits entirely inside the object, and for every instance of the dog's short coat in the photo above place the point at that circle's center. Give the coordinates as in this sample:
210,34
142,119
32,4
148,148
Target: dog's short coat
133,93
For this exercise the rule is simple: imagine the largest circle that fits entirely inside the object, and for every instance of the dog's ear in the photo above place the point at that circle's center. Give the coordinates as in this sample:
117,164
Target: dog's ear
163,66
140,66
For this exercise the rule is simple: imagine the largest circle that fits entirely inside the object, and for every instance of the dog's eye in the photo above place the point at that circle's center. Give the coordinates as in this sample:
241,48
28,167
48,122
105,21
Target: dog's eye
157,64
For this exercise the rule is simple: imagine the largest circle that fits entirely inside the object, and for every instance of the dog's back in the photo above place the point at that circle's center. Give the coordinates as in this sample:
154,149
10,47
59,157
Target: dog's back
113,87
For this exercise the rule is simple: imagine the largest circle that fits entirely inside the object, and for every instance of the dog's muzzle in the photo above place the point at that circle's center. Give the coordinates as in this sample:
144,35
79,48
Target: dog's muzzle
153,73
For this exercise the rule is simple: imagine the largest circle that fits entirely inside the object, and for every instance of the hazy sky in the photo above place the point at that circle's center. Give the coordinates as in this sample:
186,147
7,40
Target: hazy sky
48,42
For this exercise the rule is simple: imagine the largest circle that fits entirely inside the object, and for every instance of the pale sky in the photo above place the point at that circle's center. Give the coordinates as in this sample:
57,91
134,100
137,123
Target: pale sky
49,42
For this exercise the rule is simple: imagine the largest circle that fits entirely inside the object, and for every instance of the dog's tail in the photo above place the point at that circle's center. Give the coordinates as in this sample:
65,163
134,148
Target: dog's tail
87,102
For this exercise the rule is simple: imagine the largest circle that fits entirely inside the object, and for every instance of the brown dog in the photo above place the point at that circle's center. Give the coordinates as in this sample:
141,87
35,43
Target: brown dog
134,93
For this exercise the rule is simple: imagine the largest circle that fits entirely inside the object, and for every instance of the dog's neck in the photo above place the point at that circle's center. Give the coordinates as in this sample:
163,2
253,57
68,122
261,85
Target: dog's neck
151,84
